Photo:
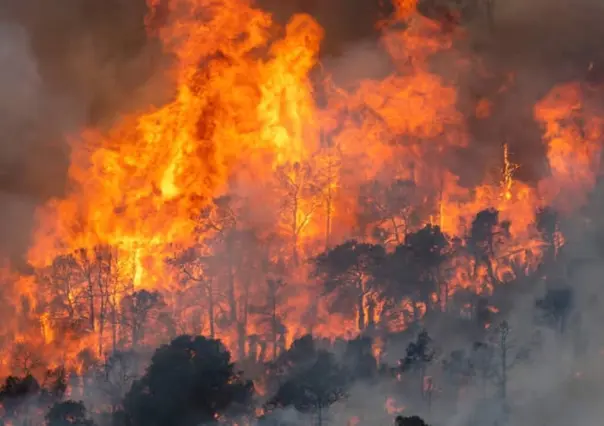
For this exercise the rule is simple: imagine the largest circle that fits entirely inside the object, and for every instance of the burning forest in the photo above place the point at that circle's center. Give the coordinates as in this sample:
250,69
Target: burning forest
261,212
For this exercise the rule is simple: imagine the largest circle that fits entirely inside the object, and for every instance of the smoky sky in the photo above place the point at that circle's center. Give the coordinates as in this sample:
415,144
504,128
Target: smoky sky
68,64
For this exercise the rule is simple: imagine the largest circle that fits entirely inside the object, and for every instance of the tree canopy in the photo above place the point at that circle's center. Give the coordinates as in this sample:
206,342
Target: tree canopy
190,381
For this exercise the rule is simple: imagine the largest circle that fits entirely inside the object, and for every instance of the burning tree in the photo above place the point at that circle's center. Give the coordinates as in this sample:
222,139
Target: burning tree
301,199
139,310
273,313
392,208
347,272
259,162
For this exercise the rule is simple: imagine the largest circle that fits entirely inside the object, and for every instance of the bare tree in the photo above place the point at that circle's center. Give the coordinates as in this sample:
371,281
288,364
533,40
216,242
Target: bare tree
198,278
328,164
273,312
62,283
300,200
391,208
116,375
227,244
347,272
27,358
140,310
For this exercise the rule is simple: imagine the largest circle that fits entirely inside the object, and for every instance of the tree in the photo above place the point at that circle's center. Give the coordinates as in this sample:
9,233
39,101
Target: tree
347,273
329,163
482,359
139,309
555,307
272,314
189,382
62,284
428,248
414,273
359,360
418,356
15,392
486,235
198,275
26,357
300,355
227,255
55,382
313,389
391,208
301,197
458,368
409,421
106,276
548,225
494,358
68,413
116,376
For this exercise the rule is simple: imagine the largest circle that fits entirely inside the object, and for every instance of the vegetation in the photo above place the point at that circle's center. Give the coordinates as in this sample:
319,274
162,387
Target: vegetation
193,379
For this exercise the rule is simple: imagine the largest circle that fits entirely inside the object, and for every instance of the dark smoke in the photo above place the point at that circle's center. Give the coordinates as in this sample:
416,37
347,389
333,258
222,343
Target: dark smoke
67,64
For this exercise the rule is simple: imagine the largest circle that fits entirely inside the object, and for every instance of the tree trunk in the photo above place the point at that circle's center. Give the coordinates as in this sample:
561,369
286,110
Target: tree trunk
114,323
211,310
361,312
295,231
242,324
328,202
274,323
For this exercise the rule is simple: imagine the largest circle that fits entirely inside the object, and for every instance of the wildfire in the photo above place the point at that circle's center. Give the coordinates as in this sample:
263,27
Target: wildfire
244,128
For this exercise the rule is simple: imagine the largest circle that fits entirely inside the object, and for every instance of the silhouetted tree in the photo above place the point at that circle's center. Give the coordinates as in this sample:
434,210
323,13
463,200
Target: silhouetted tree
15,392
228,239
189,382
359,360
69,307
300,355
494,357
300,198
391,208
419,355
115,377
199,291
55,382
546,221
409,421
272,313
68,413
555,307
486,234
428,248
313,389
458,368
346,271
139,309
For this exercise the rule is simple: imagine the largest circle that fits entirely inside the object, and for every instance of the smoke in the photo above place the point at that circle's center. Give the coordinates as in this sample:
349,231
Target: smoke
72,64
67,65
28,162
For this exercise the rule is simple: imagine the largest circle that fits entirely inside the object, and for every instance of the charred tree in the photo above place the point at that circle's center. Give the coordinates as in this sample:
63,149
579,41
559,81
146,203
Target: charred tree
347,272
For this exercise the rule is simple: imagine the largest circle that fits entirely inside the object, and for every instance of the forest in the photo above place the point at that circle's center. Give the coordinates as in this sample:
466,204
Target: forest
239,212
194,379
